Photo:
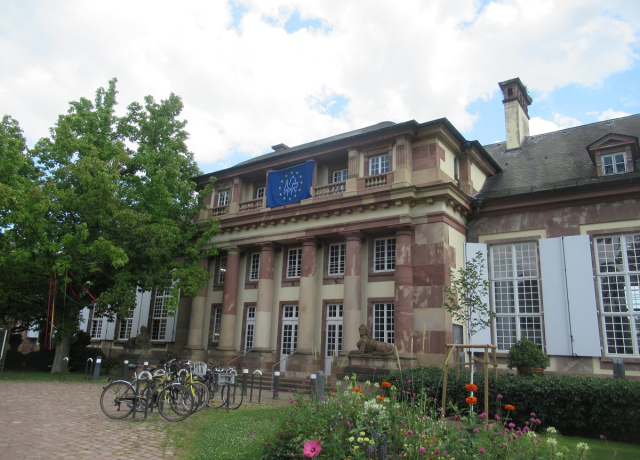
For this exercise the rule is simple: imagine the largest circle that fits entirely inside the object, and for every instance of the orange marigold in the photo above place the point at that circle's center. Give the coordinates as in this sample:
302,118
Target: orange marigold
471,387
385,385
381,398
509,407
471,400
334,394
357,390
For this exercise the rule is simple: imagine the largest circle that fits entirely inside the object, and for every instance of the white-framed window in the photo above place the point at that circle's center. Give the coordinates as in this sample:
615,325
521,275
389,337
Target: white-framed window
618,272
337,253
124,333
222,270
515,290
254,268
260,192
223,197
378,165
384,255
615,163
340,176
96,328
250,328
383,322
159,319
217,317
294,263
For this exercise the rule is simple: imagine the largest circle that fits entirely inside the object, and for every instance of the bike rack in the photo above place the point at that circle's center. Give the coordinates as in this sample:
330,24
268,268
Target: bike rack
253,378
144,375
88,368
63,371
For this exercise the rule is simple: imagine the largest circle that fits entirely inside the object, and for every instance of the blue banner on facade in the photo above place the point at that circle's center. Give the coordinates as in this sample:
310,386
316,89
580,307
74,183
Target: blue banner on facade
289,185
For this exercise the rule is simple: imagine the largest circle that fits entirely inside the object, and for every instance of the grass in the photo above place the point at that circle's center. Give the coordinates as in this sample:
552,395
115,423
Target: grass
602,449
34,376
214,433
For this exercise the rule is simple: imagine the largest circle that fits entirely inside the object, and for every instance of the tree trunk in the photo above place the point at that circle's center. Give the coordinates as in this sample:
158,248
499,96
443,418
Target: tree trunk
62,351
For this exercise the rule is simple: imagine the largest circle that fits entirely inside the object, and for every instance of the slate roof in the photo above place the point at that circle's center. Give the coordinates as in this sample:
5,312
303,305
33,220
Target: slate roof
555,160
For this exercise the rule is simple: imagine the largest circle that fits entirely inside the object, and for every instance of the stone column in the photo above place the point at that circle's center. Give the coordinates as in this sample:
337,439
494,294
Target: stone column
352,180
403,280
264,305
404,162
352,288
230,301
307,296
197,318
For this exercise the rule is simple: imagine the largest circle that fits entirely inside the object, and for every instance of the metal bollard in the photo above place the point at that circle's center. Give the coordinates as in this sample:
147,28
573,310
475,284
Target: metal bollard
63,371
96,368
320,383
245,380
125,365
253,378
88,368
276,385
313,386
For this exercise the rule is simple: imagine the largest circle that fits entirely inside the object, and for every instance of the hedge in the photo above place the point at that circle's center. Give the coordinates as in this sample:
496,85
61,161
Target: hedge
576,406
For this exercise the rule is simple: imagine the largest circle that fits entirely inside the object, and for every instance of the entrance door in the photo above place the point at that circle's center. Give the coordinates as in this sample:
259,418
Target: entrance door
334,335
289,333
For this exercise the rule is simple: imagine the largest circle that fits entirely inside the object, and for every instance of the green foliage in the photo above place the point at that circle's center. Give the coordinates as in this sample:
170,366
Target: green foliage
587,406
526,353
464,296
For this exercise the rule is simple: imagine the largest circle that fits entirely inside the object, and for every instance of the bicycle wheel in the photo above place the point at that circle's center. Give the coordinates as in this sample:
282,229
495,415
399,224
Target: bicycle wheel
215,396
117,399
176,402
200,392
233,392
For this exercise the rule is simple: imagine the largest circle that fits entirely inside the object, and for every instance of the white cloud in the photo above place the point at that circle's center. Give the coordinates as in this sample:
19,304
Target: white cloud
256,85
609,114
539,125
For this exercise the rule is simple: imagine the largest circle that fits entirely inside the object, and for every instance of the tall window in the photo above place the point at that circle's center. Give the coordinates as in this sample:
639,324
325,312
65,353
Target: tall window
384,255
615,163
250,328
340,176
254,269
383,322
294,263
260,192
618,269
217,317
96,328
515,281
337,254
223,197
378,165
124,332
222,270
159,319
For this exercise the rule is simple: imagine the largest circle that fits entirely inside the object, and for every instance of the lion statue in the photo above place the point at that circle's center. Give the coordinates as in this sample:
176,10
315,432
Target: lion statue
368,346
140,340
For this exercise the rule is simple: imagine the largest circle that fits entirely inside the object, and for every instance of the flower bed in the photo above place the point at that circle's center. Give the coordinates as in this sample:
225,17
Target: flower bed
382,421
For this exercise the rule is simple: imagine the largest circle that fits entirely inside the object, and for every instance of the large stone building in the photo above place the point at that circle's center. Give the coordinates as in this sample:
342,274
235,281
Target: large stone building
392,208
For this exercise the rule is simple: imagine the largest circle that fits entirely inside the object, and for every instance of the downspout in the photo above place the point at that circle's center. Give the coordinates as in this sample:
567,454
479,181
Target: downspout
456,162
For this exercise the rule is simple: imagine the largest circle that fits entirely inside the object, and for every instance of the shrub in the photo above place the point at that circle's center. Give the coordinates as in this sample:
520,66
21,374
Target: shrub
585,406
526,353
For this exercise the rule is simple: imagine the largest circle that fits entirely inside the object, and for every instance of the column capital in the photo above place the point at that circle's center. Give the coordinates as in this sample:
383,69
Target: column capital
353,235
233,250
402,229
308,241
266,246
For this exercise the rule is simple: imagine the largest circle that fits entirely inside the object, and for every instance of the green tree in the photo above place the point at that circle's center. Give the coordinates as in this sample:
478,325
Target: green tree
24,275
123,207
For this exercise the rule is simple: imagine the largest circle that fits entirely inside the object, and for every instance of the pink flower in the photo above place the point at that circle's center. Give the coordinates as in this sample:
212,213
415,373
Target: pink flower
312,448
500,396
409,432
422,450
482,451
475,430
437,452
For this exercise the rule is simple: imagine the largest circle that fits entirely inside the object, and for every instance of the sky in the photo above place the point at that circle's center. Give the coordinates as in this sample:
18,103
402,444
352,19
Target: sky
256,73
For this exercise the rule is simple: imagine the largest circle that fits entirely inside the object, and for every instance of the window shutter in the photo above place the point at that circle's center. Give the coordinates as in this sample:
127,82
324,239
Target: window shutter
171,327
84,319
554,297
108,329
570,310
471,249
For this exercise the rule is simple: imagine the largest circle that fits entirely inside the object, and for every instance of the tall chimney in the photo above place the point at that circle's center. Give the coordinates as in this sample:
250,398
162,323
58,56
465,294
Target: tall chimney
516,102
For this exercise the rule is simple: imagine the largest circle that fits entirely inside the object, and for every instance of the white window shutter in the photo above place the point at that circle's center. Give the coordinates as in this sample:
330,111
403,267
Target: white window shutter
108,329
554,297
583,308
171,327
84,319
570,311
483,336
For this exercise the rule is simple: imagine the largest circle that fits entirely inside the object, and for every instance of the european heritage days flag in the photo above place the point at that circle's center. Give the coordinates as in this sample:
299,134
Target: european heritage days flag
289,185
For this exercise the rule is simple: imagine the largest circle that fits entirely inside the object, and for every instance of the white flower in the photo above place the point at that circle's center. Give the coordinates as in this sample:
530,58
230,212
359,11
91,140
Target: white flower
552,430
552,441
583,446
531,434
